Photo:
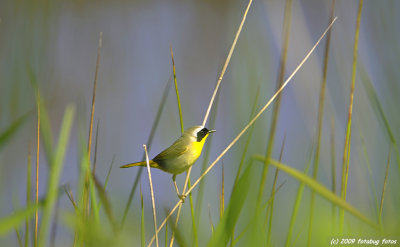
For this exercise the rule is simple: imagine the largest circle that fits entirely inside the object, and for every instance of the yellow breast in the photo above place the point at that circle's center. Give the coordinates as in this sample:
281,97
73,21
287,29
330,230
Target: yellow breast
196,149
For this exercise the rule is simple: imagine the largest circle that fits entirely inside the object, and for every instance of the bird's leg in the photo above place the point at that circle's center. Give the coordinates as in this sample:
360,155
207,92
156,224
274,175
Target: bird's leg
182,197
176,187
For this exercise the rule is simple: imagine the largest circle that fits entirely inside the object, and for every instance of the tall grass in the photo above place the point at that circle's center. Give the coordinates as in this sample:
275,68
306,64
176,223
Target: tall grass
321,105
252,121
277,103
56,165
347,141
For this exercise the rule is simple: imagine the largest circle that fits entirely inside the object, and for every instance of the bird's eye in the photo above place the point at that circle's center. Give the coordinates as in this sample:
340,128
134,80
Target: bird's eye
201,134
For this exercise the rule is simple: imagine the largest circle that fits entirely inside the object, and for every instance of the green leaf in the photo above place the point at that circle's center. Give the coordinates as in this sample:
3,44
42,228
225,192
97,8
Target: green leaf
46,131
104,199
12,129
320,189
296,207
55,172
379,112
14,220
229,219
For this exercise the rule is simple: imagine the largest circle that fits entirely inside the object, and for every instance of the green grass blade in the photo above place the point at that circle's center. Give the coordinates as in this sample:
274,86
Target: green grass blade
67,191
271,212
89,184
246,146
19,239
379,112
371,178
277,103
14,220
53,231
296,206
178,234
28,191
55,172
178,99
109,172
9,132
142,228
320,189
384,189
80,203
347,141
222,193
333,169
255,223
105,201
107,178
91,192
44,121
210,219
95,148
320,121
228,222
38,103
46,131
108,175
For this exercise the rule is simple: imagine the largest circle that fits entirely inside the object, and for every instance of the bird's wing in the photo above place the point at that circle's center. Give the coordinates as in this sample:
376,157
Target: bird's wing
176,149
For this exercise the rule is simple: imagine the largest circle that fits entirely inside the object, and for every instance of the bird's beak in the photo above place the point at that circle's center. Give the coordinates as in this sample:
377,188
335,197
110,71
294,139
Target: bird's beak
211,131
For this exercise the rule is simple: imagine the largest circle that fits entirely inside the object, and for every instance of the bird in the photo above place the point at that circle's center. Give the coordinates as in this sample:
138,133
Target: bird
181,155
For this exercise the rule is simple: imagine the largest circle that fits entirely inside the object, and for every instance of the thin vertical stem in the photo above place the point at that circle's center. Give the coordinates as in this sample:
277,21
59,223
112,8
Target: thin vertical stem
19,239
333,170
54,226
346,152
276,107
86,190
152,194
35,243
94,94
384,188
272,193
296,206
228,58
222,195
95,148
177,91
28,190
320,122
143,234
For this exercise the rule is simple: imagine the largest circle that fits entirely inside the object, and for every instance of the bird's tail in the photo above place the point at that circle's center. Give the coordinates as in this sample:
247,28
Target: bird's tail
142,163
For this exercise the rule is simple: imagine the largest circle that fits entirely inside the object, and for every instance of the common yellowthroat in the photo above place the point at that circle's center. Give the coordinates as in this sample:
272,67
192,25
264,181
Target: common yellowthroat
181,155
